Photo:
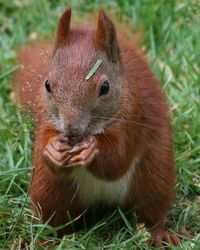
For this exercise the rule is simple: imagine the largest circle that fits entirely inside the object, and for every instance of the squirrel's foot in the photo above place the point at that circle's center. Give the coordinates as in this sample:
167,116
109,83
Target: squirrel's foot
161,238
84,152
56,153
183,232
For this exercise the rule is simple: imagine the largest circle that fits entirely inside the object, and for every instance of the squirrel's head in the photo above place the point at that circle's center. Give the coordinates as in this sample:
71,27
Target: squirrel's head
84,82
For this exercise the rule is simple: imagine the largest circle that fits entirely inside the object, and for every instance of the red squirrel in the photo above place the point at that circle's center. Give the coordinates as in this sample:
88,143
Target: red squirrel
105,140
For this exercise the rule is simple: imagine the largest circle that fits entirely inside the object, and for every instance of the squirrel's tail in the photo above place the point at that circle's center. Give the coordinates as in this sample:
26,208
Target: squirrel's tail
34,59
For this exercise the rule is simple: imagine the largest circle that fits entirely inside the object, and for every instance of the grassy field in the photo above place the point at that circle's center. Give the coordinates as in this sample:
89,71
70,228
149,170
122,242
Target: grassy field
171,35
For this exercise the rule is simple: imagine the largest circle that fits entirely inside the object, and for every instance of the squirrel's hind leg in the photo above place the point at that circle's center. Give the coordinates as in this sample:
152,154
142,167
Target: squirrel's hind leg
153,192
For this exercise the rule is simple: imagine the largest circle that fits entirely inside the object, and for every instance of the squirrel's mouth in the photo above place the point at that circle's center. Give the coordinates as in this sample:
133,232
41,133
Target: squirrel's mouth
74,139
77,138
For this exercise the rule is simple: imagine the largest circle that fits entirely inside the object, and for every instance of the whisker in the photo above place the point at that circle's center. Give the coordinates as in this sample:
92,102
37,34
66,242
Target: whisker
124,120
119,118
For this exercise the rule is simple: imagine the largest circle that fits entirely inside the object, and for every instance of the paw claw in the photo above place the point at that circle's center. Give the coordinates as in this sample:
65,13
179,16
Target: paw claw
84,154
161,238
55,153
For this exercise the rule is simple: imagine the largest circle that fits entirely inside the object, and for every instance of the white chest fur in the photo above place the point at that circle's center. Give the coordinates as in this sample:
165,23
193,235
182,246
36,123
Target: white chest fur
93,190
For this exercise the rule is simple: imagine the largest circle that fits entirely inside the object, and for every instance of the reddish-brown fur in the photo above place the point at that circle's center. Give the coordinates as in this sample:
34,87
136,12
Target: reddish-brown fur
142,130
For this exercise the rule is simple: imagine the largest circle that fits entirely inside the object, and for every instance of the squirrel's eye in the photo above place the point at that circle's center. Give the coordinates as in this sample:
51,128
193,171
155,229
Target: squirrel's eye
105,87
47,86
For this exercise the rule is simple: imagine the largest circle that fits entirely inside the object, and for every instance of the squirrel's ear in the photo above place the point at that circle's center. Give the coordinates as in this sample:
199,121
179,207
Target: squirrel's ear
63,26
106,38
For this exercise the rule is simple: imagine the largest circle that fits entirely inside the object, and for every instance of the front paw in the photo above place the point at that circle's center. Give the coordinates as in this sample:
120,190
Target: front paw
160,237
56,153
84,152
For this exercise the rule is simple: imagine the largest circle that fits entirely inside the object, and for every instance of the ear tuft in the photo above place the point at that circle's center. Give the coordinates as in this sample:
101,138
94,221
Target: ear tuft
63,26
106,36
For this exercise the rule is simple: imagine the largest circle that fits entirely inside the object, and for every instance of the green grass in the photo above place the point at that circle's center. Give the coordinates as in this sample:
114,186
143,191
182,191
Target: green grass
171,34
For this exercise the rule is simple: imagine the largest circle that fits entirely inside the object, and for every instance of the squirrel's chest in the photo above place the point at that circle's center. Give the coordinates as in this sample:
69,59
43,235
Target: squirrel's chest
92,190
